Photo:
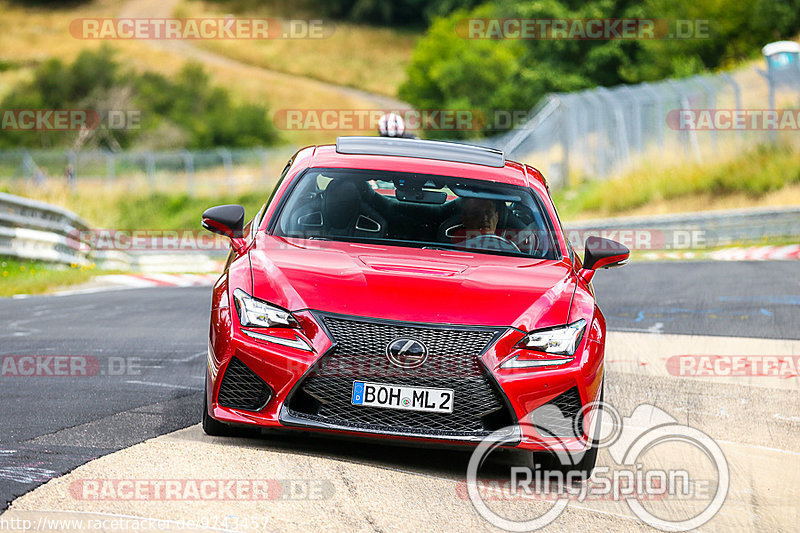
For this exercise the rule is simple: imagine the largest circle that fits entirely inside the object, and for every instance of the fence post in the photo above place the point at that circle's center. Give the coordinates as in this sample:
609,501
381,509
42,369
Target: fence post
737,96
27,164
188,165
111,167
712,104
150,166
264,165
658,104
564,137
227,164
583,127
771,107
622,153
688,138
637,126
549,106
72,168
601,134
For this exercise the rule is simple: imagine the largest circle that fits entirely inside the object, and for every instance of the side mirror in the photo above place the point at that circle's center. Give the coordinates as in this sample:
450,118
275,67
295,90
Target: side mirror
602,253
227,220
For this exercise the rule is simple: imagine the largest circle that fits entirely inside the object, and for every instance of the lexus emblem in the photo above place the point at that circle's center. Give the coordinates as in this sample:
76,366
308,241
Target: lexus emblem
406,353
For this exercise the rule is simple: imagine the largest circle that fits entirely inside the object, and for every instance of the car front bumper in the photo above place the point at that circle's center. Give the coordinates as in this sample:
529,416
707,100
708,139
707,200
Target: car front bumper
284,370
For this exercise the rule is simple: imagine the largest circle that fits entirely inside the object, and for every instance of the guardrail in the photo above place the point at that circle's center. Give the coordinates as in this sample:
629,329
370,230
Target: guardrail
30,229
706,229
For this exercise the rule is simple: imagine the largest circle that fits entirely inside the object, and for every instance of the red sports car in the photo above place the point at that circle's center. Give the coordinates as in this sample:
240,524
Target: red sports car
404,289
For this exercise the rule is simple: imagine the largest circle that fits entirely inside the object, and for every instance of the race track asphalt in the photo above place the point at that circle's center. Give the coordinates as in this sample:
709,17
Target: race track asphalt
50,425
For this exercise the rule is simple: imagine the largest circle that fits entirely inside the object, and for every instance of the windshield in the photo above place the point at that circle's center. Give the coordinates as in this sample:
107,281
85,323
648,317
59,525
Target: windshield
417,210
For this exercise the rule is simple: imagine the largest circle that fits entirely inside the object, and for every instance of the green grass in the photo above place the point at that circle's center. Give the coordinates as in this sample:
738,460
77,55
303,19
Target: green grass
172,211
117,210
37,277
753,175
124,209
371,58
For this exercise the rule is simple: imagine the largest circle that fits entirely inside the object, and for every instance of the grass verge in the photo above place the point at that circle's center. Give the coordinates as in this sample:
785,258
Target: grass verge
354,55
763,176
122,209
22,276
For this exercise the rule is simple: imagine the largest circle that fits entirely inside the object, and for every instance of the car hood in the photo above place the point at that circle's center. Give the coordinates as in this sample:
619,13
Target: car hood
411,284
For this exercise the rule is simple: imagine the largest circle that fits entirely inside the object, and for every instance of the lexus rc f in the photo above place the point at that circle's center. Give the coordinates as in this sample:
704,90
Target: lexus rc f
412,290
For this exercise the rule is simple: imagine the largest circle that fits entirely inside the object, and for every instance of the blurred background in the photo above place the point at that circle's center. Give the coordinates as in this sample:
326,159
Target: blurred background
616,124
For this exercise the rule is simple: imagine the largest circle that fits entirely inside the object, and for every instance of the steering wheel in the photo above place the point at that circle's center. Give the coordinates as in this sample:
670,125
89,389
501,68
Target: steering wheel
490,241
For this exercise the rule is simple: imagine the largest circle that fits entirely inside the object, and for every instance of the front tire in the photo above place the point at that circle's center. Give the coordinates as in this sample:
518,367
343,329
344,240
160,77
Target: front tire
211,425
588,460
584,465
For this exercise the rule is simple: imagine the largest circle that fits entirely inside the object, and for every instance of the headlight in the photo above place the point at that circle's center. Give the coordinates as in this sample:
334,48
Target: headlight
562,340
255,313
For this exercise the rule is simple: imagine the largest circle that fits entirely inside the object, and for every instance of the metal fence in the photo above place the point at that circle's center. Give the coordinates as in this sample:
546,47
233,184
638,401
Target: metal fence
35,230
209,171
594,134
605,132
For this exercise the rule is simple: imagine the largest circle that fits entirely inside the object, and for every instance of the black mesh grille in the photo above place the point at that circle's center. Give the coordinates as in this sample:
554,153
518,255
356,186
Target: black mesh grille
241,388
363,338
557,417
453,363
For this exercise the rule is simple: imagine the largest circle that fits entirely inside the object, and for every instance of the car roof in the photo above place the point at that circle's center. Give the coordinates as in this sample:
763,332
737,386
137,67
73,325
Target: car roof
511,172
422,149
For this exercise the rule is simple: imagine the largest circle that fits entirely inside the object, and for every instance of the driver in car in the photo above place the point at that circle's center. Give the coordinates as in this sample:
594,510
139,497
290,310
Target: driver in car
479,217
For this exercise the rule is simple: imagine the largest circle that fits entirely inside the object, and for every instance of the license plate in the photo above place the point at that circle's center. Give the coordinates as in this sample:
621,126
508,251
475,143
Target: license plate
402,397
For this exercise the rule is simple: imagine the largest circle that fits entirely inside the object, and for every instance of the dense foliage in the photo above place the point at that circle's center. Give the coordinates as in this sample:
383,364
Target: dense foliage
383,12
449,71
186,111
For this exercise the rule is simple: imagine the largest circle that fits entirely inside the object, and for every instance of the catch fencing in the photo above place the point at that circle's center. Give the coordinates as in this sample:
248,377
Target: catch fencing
196,172
605,132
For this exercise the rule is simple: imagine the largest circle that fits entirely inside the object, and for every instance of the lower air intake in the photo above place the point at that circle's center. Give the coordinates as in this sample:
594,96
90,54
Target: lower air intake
557,417
241,388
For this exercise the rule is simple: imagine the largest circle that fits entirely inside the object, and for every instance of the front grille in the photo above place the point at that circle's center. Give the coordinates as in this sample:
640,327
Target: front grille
557,417
324,397
241,388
